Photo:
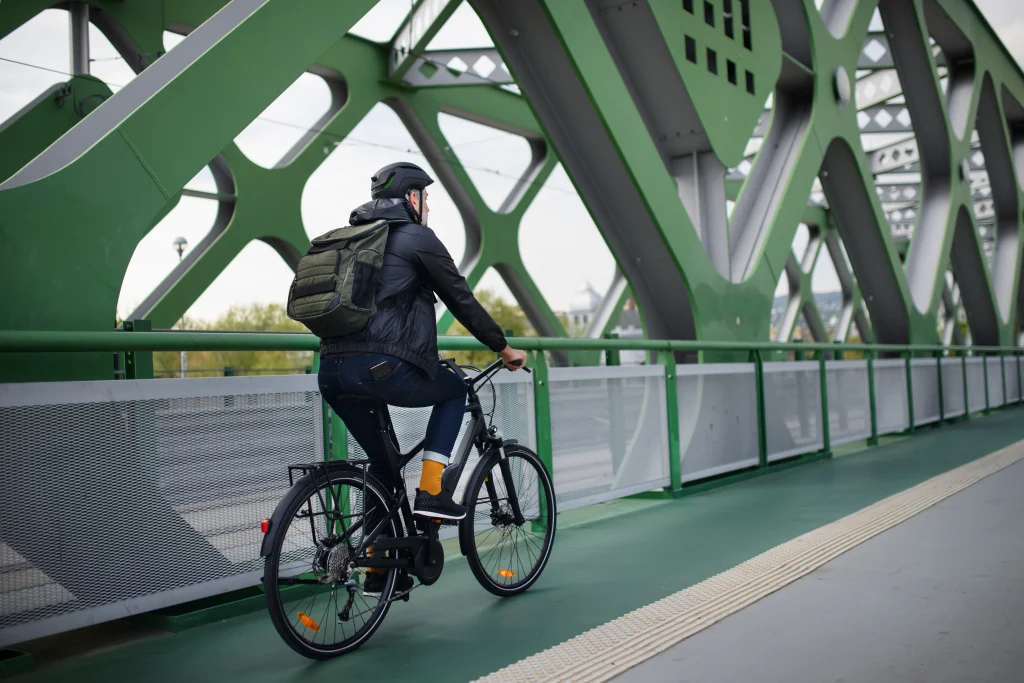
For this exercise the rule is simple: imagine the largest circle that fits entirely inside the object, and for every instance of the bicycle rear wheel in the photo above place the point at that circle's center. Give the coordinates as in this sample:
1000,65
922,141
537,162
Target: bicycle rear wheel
507,558
314,596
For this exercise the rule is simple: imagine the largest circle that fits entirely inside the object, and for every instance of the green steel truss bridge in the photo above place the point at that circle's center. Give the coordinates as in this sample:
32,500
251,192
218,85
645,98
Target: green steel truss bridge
657,112
701,135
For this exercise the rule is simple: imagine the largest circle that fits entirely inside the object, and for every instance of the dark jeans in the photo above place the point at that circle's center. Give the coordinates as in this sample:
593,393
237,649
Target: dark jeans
343,377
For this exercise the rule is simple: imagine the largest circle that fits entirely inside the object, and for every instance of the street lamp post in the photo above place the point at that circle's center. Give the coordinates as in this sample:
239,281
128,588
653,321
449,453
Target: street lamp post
180,245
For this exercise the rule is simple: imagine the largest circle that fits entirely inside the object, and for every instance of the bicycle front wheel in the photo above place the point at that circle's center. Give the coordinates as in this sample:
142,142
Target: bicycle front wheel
505,557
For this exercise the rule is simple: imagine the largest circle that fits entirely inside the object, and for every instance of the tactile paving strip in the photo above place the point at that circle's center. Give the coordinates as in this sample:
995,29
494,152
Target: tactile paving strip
606,651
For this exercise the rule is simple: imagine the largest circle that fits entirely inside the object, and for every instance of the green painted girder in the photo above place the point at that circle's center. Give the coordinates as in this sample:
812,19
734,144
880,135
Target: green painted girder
833,131
498,245
120,173
722,309
265,202
144,22
31,130
274,199
822,138
419,28
943,128
823,239
727,302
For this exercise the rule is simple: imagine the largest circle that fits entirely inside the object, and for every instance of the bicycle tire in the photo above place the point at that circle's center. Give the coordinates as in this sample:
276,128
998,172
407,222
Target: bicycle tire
528,468
302,491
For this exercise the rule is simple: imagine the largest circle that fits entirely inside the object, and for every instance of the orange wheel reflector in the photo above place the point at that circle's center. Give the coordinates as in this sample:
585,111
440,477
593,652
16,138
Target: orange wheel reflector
507,573
307,622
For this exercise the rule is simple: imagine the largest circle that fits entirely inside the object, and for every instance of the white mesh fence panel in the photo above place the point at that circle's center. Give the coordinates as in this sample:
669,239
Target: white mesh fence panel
924,376
717,418
952,387
1012,372
161,485
609,432
792,398
849,402
975,384
891,396
994,369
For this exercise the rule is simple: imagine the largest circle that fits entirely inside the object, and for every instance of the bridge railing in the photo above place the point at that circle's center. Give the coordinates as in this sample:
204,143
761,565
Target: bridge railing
161,483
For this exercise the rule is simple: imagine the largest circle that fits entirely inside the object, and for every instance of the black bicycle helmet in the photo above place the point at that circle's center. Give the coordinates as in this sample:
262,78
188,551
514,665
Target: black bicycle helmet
395,180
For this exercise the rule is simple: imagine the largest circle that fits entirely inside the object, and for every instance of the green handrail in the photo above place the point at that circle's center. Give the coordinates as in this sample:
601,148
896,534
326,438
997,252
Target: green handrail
334,433
21,341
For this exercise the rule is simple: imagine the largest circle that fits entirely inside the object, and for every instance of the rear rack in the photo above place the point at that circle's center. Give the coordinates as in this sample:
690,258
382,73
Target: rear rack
306,468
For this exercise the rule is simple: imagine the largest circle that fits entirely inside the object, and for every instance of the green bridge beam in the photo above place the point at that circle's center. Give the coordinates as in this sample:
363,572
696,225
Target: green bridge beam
649,152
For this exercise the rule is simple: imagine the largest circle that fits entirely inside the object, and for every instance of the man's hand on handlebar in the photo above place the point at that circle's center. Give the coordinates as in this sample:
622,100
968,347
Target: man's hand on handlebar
514,359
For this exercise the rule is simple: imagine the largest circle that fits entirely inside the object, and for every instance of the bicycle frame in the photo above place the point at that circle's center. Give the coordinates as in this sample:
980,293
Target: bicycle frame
298,574
477,435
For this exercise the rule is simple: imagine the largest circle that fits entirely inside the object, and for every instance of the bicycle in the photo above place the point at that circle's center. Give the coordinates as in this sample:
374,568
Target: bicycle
317,548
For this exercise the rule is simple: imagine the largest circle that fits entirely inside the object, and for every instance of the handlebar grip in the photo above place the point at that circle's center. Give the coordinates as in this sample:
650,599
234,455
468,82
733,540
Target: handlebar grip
519,363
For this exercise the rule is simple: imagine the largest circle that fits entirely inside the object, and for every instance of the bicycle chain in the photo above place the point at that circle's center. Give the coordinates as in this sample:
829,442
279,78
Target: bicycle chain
396,596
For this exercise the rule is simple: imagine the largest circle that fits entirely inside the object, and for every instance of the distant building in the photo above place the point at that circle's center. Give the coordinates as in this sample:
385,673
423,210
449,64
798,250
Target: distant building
582,306
630,327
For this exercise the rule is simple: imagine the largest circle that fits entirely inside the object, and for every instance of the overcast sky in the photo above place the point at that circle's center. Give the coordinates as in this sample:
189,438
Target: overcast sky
561,246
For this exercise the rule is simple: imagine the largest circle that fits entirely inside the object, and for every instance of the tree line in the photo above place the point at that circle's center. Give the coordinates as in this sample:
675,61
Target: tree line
262,317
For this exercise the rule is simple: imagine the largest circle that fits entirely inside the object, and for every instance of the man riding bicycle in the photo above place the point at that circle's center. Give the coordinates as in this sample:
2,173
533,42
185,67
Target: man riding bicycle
394,359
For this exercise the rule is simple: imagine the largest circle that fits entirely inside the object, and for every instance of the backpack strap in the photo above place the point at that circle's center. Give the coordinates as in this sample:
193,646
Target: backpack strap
314,288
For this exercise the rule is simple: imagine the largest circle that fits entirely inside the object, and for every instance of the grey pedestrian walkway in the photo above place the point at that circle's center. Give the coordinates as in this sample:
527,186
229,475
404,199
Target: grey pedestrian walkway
937,598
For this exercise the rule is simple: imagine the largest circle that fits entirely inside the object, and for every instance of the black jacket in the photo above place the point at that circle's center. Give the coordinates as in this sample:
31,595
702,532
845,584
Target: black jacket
416,264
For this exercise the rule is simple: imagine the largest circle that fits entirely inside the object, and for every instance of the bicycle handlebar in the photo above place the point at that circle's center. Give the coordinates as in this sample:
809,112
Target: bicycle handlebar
484,374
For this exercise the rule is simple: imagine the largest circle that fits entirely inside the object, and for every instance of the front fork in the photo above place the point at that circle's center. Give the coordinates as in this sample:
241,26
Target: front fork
510,489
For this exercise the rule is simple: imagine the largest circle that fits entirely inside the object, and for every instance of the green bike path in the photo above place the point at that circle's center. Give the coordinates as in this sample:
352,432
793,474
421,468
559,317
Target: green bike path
455,631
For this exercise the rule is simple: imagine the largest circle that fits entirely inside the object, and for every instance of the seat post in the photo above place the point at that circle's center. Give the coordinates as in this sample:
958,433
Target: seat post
388,438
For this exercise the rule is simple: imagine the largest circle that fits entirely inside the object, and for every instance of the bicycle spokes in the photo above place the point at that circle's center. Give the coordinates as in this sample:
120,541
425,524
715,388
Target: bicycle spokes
508,550
314,580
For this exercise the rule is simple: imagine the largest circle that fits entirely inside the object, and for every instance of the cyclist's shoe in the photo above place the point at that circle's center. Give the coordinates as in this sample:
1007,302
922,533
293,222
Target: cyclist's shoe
440,506
373,583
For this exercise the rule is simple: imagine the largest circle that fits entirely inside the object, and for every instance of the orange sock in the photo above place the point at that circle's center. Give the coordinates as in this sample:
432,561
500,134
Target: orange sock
430,477
369,553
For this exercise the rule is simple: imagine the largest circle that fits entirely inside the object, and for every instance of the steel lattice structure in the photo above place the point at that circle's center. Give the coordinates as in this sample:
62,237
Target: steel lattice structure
656,109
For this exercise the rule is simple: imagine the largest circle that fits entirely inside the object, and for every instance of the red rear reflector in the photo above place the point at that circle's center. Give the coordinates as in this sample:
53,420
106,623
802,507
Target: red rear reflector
265,525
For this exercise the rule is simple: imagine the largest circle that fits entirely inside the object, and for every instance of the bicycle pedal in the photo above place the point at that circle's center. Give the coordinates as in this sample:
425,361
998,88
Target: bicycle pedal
404,597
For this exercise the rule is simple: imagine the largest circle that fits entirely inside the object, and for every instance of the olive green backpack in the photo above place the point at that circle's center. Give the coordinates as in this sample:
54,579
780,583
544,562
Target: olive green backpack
334,292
